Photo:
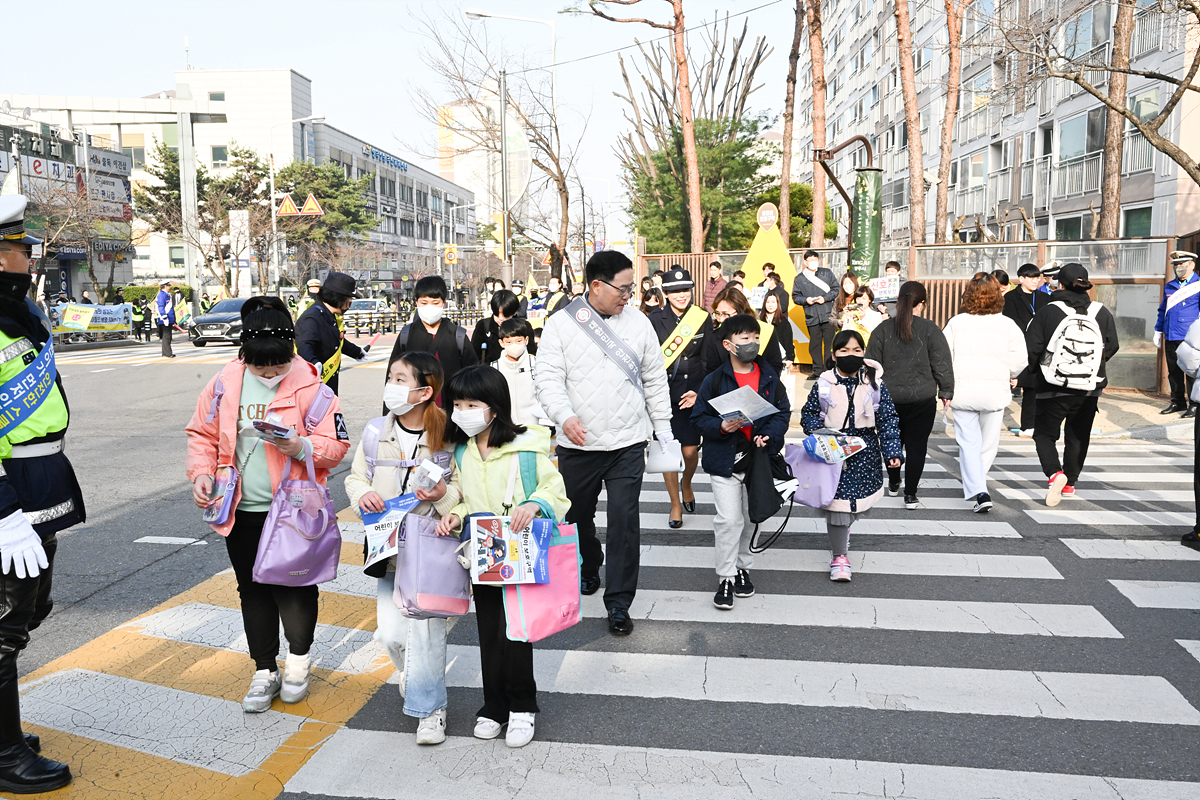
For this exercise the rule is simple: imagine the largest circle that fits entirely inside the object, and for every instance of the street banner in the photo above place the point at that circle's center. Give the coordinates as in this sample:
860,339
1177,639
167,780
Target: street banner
866,229
93,319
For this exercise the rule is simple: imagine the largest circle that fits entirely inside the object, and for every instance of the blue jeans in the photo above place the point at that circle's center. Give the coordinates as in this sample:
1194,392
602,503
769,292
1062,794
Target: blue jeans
422,655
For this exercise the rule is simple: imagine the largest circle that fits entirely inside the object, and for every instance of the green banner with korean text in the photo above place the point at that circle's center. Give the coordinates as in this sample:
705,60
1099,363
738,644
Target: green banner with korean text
866,228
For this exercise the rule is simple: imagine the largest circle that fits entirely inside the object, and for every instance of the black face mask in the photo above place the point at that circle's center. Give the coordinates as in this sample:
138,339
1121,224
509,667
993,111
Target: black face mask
15,285
849,365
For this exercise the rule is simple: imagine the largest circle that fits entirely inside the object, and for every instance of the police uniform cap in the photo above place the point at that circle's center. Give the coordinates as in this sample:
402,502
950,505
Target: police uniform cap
314,284
1052,268
1182,257
12,220
677,280
518,284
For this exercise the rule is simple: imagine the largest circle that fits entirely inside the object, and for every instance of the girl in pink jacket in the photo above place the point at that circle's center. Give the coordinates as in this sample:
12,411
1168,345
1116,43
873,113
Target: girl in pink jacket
267,378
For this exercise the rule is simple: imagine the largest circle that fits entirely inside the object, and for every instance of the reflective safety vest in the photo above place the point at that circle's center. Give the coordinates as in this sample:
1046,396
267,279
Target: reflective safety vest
139,315
51,417
303,305
334,362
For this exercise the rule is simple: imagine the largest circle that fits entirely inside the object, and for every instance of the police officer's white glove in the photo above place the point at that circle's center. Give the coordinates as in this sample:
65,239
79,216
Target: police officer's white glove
21,547
663,437
1157,339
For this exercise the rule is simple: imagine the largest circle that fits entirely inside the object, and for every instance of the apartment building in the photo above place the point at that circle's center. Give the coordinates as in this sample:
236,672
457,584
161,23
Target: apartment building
1019,146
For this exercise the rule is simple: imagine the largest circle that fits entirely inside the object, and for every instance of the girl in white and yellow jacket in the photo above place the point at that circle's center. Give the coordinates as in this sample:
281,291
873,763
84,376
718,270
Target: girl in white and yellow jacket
412,432
988,352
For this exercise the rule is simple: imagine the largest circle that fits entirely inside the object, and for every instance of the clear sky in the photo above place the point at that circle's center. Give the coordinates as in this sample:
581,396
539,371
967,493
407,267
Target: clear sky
363,57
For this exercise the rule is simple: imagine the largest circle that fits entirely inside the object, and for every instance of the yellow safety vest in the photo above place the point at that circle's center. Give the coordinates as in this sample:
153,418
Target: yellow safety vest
50,417
334,363
304,304
683,334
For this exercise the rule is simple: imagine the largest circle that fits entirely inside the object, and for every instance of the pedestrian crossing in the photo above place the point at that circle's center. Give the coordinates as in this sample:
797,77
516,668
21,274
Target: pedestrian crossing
963,647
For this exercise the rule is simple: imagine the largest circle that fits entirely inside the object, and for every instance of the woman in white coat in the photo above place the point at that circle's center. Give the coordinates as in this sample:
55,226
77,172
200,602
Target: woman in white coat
988,352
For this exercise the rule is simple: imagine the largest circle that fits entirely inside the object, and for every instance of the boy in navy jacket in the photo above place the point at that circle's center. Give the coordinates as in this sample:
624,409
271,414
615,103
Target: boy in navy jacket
727,446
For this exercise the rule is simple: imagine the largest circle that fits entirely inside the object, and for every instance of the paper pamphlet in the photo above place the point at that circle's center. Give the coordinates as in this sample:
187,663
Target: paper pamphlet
499,556
742,402
383,529
269,430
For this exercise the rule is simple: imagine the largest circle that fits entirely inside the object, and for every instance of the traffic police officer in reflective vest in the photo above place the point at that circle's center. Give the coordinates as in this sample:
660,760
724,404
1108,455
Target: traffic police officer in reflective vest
39,495
310,297
320,332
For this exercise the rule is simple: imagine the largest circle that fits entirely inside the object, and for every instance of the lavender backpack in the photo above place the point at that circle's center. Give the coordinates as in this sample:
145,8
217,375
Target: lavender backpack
429,580
818,480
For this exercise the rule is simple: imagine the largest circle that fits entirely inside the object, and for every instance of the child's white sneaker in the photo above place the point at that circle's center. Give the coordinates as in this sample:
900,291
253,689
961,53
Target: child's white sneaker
487,728
263,688
432,729
296,671
520,729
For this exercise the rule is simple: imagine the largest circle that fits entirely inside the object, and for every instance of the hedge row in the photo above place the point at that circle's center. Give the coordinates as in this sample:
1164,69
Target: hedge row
133,293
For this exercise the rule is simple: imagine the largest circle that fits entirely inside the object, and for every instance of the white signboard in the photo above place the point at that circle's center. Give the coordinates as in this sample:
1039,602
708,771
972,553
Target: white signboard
113,190
110,162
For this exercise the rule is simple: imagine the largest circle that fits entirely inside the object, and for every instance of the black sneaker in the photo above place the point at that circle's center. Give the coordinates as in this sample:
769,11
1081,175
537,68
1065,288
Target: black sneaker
723,599
742,587
893,490
983,503
912,503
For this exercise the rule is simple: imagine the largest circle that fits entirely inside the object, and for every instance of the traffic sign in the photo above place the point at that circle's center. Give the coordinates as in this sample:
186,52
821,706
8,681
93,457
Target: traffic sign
311,207
546,260
288,208
451,254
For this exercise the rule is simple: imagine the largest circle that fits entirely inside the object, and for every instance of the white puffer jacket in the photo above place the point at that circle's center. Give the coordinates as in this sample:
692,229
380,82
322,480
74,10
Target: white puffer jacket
1188,357
574,378
987,351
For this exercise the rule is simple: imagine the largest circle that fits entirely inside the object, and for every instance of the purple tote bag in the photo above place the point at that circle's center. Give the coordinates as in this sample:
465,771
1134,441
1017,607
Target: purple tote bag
301,543
430,583
818,480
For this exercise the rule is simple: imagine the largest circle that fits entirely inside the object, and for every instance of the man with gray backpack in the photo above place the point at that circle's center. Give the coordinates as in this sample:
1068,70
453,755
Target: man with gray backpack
1069,341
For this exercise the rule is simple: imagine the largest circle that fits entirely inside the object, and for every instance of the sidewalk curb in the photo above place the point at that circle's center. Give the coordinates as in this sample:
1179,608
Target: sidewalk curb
1172,431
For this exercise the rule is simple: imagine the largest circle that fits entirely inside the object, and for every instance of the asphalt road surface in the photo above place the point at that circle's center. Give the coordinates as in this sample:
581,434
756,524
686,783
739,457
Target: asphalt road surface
1028,653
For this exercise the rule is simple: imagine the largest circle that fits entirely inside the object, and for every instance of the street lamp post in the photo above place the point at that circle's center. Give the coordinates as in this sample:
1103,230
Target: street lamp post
274,223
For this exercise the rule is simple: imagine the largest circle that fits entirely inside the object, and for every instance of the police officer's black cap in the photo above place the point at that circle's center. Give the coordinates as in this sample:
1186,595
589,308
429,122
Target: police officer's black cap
677,280
341,283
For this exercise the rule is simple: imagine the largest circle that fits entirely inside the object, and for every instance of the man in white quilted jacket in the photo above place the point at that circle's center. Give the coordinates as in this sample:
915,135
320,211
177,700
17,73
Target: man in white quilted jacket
605,413
1188,358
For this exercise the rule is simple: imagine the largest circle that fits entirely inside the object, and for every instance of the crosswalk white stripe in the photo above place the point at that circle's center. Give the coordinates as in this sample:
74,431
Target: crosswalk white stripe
971,565
896,614
336,648
703,523
1109,478
1096,495
606,772
706,497
1160,594
1133,460
1131,549
1096,447
1088,517
946,690
172,724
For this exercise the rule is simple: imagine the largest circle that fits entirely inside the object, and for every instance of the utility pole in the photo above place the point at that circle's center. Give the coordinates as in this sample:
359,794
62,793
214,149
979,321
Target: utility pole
504,226
188,200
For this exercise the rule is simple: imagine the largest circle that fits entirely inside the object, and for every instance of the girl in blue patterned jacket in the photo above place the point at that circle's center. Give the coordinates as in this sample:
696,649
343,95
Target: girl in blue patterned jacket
850,397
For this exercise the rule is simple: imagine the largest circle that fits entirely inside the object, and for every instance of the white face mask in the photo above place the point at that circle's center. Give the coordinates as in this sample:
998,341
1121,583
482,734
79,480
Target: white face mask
514,351
395,397
430,315
472,420
271,383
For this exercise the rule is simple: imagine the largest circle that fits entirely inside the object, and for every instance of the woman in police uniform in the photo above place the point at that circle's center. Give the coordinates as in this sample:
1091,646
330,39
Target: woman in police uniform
39,495
682,329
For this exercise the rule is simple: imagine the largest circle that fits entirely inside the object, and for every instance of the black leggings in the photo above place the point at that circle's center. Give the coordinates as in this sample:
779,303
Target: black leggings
264,605
916,424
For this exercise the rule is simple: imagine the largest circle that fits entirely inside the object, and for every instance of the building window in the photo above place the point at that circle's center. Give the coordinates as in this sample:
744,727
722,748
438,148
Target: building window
387,224
175,256
137,155
1137,221
220,156
1081,135
216,97
406,227
1068,230
1144,105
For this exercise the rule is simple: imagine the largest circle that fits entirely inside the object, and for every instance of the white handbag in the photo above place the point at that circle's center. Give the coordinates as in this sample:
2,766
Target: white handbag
664,456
